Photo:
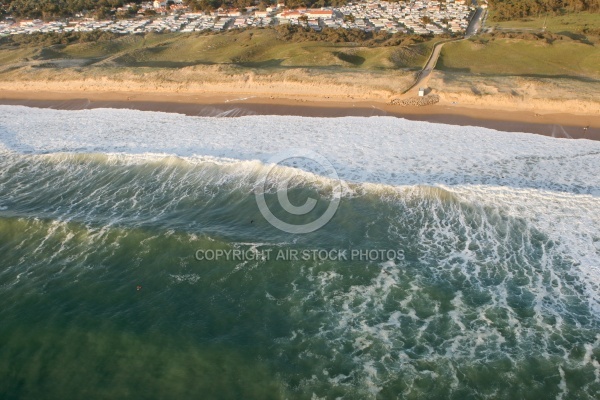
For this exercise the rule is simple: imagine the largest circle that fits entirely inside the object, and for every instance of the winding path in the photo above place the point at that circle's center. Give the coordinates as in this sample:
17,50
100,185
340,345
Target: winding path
424,74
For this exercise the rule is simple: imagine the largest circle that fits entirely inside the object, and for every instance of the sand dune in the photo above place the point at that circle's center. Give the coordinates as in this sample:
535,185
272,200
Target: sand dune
289,83
467,90
518,93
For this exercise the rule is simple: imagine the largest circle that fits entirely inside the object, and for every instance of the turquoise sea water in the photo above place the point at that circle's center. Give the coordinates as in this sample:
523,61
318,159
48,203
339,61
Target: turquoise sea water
494,293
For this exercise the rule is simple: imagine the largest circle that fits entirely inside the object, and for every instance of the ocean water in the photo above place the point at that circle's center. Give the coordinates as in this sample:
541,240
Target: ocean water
493,292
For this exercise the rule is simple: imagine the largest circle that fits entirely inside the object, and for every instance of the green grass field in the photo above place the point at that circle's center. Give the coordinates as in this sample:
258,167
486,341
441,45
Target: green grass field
562,58
252,48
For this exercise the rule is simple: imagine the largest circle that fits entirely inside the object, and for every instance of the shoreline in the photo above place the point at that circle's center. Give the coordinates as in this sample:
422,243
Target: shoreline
560,125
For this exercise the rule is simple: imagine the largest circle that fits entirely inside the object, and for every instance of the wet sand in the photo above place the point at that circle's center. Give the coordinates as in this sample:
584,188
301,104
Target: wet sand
562,125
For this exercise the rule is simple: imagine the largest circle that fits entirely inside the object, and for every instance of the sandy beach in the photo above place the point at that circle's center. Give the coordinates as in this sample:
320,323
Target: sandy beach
565,125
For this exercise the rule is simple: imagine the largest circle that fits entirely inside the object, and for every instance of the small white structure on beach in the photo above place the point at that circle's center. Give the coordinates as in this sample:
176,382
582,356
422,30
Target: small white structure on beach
421,92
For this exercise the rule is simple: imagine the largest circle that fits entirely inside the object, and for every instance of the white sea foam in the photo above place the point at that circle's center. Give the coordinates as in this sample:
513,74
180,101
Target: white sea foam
378,149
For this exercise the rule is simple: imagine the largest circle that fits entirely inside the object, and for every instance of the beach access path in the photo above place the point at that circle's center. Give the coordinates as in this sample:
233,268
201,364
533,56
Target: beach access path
424,74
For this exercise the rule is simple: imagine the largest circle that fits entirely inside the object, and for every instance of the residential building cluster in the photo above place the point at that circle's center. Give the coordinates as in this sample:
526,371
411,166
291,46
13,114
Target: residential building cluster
417,16
421,17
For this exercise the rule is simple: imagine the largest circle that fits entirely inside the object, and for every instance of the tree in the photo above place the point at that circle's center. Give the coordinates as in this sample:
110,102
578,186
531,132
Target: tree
102,13
510,9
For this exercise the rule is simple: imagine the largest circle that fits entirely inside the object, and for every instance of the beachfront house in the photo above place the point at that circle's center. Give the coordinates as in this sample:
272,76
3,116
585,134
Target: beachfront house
319,14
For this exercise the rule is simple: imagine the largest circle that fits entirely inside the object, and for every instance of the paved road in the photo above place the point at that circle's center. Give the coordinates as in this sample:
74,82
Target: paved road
432,62
424,74
475,23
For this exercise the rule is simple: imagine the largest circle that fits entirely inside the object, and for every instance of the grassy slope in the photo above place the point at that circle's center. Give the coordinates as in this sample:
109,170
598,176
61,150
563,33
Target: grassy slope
16,55
564,58
256,48
577,58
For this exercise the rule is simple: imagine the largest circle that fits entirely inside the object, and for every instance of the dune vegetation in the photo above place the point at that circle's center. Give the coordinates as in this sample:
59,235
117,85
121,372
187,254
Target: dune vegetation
256,48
